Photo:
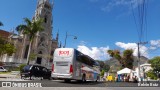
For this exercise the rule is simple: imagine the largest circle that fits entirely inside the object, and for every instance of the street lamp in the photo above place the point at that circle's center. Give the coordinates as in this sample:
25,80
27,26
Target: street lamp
75,37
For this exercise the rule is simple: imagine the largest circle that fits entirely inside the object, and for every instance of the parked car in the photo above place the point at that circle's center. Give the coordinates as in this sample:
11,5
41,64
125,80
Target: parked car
35,72
2,69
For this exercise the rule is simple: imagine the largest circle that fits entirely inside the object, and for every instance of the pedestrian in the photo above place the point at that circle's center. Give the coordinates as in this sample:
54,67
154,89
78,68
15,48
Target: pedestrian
128,78
116,78
159,76
135,79
122,77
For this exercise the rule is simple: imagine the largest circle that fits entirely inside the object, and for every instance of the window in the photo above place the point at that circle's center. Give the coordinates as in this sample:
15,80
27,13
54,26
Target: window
84,59
42,39
26,51
45,19
37,68
27,68
61,63
44,70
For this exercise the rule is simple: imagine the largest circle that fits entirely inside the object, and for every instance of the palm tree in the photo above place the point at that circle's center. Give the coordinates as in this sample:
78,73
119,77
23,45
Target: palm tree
30,28
1,24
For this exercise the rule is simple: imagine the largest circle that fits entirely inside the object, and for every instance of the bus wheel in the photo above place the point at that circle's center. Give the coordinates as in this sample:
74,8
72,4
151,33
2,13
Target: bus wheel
67,80
84,78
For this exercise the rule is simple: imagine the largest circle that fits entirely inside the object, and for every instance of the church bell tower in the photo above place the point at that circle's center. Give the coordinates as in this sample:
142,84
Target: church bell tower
43,40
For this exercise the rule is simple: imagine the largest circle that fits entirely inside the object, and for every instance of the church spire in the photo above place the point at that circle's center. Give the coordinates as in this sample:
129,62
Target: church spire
57,36
60,45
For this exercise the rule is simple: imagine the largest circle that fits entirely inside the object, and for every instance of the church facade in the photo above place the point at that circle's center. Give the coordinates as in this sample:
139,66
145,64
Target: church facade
43,45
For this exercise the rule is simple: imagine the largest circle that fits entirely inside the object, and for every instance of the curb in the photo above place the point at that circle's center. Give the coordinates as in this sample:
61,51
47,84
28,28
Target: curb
3,77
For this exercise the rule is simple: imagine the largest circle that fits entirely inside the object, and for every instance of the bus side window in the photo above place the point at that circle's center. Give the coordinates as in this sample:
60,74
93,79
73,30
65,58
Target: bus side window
78,57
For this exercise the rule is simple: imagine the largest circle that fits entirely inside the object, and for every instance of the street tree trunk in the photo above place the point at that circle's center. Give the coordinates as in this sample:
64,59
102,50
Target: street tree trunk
30,43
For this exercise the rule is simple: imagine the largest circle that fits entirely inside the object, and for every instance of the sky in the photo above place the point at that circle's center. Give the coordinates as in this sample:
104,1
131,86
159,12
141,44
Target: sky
99,25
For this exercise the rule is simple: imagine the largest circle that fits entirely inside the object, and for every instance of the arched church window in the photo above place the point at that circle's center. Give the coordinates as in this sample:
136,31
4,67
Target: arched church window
45,19
40,52
26,51
42,39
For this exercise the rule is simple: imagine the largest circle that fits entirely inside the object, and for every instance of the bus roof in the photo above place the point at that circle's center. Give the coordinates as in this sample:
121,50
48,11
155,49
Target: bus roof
78,51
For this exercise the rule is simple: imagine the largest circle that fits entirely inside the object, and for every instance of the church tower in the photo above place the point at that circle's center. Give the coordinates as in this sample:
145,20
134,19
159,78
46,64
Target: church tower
43,41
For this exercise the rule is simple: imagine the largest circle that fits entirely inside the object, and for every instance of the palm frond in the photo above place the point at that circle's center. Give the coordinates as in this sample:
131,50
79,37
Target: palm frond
1,24
31,27
20,27
28,21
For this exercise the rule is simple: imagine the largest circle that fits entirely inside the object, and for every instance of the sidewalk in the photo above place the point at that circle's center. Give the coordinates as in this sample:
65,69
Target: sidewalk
9,76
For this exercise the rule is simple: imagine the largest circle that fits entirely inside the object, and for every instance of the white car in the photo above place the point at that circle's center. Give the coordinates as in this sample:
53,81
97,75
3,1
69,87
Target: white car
2,69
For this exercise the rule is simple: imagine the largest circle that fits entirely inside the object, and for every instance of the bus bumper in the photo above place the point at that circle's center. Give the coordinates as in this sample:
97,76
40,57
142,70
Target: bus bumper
61,76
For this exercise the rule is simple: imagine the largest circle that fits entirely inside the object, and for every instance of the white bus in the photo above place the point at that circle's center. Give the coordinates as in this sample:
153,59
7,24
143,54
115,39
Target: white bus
70,64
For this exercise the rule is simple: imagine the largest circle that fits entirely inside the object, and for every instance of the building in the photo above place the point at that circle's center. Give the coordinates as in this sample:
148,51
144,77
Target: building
144,68
43,45
4,34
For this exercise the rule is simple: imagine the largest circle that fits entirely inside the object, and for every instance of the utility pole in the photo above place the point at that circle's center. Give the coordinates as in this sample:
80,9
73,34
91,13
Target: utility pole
139,57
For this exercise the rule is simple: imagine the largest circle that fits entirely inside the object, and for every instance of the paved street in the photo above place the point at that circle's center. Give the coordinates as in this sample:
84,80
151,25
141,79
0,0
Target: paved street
74,85
89,85
84,88
61,83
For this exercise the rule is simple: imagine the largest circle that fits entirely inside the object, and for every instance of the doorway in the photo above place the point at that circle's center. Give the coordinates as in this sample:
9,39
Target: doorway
39,58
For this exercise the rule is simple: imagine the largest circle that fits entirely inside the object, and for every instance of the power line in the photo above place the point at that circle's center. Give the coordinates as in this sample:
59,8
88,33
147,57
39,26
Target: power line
135,19
141,26
141,19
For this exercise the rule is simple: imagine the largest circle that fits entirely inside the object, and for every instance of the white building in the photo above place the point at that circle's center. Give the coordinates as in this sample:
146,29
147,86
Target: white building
144,68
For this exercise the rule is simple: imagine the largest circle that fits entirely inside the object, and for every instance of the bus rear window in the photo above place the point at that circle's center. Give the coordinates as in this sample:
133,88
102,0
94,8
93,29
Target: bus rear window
61,63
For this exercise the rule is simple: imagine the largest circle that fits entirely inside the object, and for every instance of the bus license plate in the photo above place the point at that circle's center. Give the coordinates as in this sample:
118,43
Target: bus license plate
60,75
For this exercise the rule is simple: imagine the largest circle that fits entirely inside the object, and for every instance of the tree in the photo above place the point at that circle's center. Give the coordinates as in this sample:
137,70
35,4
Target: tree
9,49
126,60
151,74
103,66
32,56
155,63
1,24
30,28
2,43
21,67
102,73
6,47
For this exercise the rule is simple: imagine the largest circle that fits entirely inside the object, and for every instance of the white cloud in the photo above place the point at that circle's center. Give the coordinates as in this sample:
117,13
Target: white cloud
155,43
83,43
97,53
134,47
119,3
153,48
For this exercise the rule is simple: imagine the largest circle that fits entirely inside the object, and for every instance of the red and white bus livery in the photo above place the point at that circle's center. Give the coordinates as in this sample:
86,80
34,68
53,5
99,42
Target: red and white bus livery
71,64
